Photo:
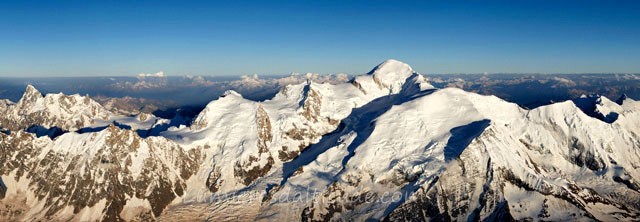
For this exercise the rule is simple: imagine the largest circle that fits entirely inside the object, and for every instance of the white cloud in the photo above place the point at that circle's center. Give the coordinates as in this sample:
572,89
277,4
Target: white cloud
157,74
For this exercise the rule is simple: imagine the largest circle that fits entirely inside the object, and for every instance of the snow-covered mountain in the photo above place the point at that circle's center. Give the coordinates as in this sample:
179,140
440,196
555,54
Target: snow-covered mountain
385,146
58,112
109,175
471,157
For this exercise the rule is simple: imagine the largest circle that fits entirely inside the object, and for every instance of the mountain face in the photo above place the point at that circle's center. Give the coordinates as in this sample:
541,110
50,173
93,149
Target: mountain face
385,146
109,175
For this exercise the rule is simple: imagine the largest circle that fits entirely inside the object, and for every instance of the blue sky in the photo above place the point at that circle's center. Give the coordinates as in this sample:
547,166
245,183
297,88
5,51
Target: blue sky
103,38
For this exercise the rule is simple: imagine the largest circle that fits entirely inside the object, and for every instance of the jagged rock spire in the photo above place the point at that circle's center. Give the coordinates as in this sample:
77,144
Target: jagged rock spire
30,94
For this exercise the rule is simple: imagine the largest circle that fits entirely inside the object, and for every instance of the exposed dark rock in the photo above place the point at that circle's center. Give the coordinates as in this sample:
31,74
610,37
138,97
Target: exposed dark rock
65,179
246,177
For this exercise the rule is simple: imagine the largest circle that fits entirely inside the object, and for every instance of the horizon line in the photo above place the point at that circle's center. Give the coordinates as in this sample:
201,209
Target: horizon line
295,73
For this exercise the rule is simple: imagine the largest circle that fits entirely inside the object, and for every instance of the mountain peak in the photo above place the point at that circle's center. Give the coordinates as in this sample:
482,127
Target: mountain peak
31,94
391,74
391,66
31,90
231,93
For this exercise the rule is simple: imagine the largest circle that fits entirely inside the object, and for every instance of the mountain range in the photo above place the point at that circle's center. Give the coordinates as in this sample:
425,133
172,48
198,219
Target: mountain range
384,146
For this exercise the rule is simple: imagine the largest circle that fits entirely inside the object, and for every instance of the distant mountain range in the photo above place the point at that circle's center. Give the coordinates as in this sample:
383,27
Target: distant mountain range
391,145
164,94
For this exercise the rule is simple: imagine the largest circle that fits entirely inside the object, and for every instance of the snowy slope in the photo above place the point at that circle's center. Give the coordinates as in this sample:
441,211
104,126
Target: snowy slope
496,158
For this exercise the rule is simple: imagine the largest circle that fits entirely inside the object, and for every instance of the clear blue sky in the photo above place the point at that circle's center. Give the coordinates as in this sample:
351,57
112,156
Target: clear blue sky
88,38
